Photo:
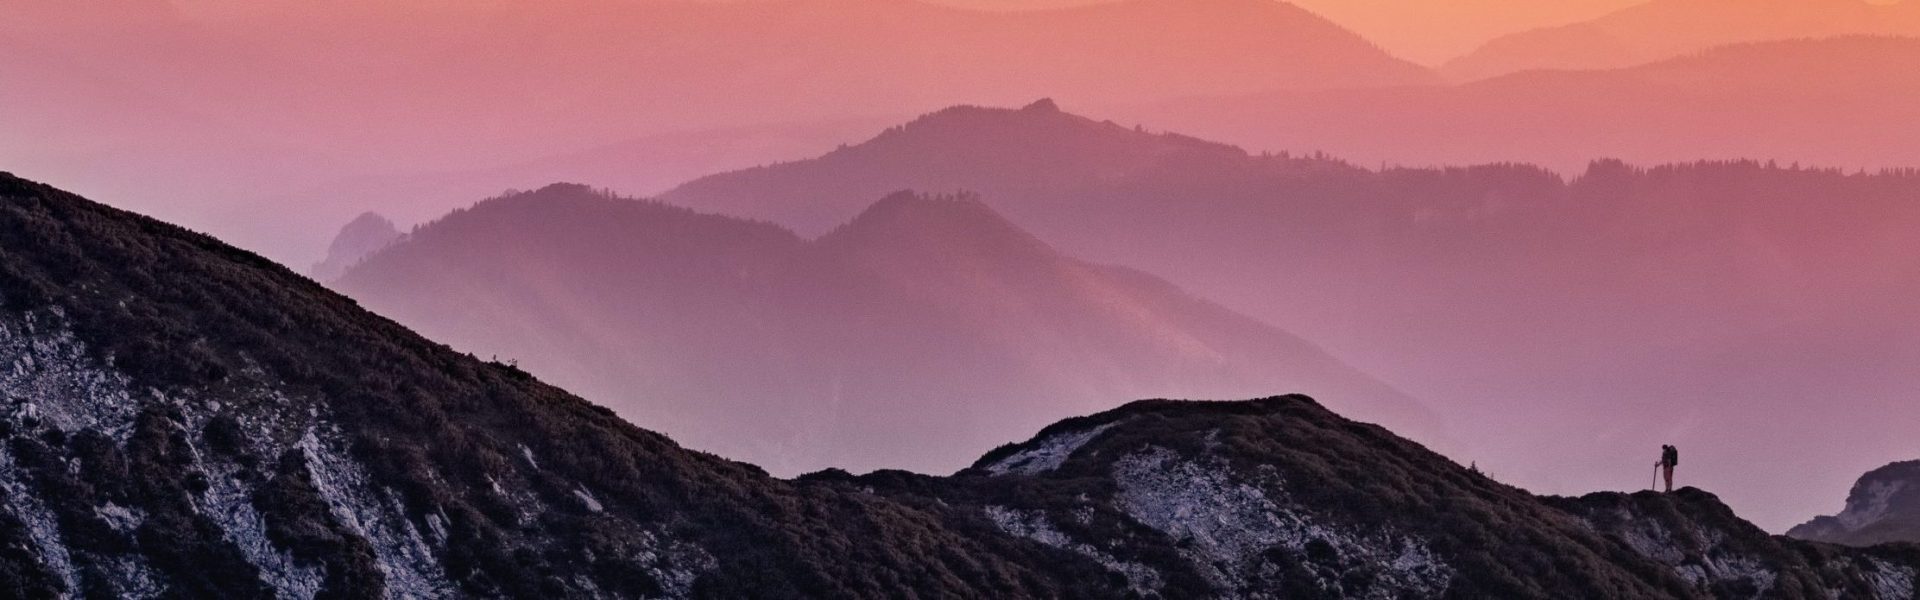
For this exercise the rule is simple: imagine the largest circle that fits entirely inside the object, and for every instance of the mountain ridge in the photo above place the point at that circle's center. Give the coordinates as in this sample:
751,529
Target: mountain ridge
640,302
1665,29
1600,277
290,444
356,94
1883,506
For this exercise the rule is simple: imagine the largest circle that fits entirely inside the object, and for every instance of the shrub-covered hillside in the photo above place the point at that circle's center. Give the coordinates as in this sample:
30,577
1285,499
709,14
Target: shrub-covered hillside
182,419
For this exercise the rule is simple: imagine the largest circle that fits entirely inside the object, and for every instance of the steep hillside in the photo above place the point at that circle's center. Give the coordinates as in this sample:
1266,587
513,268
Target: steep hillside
187,418
868,347
1664,29
183,419
1625,306
1884,506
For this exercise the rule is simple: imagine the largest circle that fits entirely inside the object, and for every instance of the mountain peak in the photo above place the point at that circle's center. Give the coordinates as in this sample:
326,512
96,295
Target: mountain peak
942,222
992,150
364,235
1042,105
907,203
1883,506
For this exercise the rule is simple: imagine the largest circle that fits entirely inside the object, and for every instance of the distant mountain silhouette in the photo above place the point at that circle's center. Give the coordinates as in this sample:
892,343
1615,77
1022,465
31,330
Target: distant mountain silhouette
1828,102
356,93
1884,506
918,329
1618,306
1664,29
183,418
1030,152
364,235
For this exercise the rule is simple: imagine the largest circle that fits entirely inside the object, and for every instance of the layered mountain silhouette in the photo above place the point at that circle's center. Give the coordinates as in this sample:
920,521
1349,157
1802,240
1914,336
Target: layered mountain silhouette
359,90
1884,506
1630,306
184,418
919,329
1828,102
1664,29
364,235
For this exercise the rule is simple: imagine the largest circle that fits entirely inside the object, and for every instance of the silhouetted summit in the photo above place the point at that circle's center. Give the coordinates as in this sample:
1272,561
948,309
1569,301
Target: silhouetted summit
994,151
1617,291
364,235
1884,506
908,221
921,328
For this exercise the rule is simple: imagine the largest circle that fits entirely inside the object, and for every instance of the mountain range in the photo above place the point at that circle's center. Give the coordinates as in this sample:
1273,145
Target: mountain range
1666,29
412,109
1700,302
919,329
183,418
1830,102
288,99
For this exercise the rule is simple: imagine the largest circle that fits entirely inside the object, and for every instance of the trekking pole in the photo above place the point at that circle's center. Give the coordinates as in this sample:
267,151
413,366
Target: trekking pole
1656,478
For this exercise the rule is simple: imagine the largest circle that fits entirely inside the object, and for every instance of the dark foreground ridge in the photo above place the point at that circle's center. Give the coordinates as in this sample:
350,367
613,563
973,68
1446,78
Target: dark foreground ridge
179,418
1883,506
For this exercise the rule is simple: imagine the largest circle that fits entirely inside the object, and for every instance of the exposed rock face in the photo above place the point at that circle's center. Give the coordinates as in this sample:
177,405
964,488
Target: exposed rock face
1884,506
1718,554
181,419
1278,498
360,238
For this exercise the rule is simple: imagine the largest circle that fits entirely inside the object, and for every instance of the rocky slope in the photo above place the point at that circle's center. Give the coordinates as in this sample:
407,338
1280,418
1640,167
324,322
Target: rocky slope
1281,498
182,419
1884,506
1729,291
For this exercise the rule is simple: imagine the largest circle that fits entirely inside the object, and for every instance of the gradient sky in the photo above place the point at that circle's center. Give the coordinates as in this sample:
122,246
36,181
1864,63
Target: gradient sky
1424,31
269,124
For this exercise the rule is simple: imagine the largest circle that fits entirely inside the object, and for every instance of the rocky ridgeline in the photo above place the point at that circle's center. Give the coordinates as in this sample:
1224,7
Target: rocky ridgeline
183,419
1884,506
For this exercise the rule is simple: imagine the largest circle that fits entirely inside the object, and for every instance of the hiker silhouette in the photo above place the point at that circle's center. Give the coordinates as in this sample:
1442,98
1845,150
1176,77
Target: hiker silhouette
1669,458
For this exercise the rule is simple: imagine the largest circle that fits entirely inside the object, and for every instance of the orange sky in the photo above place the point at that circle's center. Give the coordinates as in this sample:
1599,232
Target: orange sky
1429,32
1424,31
